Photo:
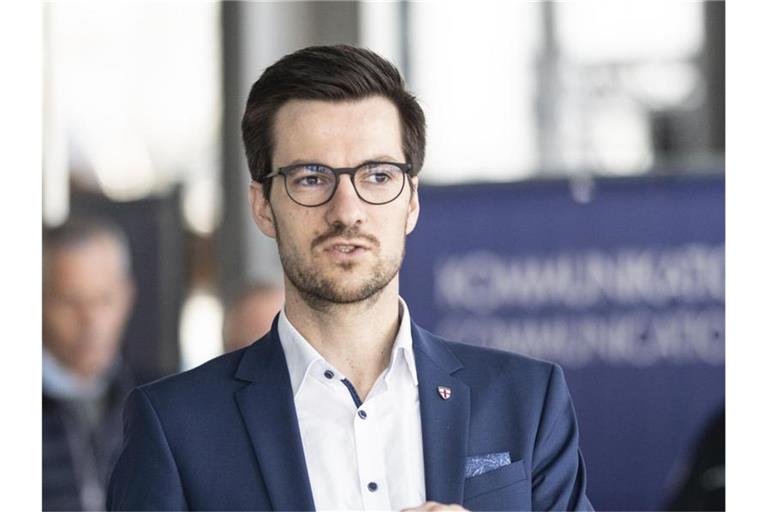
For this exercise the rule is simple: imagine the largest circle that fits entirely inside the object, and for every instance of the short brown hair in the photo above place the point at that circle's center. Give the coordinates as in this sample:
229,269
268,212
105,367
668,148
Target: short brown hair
329,73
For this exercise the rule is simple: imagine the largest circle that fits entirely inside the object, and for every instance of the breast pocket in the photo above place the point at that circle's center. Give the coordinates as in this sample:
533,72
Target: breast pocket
495,479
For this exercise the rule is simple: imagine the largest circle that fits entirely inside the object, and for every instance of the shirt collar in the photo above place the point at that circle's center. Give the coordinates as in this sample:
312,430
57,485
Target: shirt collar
300,355
403,345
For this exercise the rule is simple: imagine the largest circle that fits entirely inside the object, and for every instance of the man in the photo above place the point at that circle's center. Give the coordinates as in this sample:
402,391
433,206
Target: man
249,312
345,403
87,296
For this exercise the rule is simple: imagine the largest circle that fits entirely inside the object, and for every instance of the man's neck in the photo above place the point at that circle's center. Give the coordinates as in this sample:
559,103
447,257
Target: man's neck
355,338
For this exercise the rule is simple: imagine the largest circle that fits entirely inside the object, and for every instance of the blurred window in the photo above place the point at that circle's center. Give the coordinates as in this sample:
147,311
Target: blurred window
133,100
513,90
620,63
472,65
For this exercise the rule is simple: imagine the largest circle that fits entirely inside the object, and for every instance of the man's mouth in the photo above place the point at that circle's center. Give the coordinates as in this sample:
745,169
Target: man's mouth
344,241
350,249
344,248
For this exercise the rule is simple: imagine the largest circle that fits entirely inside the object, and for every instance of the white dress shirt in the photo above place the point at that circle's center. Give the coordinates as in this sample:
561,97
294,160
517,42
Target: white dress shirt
361,456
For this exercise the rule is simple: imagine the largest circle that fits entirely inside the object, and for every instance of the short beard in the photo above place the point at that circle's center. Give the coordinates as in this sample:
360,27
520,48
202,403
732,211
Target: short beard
322,293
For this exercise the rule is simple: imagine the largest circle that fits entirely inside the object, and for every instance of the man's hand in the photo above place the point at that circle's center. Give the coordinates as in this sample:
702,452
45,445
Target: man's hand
434,506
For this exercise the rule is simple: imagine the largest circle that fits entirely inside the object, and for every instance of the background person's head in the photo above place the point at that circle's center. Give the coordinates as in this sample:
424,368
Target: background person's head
249,312
329,73
87,294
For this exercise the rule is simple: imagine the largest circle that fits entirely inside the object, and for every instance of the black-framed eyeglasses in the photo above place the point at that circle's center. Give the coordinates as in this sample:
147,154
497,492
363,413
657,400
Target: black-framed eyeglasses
315,184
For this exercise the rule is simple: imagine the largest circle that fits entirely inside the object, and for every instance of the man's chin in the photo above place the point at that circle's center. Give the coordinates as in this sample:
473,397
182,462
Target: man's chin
340,292
327,284
95,364
346,295
345,264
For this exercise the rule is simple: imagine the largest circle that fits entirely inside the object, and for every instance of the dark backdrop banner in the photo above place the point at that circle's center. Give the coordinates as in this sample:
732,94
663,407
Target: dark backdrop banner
621,281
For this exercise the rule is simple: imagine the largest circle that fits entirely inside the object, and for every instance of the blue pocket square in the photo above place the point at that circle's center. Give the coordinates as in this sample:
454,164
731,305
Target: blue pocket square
478,464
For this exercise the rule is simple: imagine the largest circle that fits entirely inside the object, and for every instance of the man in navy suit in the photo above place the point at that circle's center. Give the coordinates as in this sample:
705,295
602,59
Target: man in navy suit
346,403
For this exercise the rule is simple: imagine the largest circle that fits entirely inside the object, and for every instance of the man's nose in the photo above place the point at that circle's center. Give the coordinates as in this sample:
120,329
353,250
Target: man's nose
89,314
345,207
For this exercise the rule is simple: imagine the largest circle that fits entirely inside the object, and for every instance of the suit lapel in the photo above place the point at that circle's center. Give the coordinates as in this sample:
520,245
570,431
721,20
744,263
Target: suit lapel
444,422
269,413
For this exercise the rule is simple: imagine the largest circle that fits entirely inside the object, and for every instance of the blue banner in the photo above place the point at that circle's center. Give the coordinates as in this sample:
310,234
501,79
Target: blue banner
621,281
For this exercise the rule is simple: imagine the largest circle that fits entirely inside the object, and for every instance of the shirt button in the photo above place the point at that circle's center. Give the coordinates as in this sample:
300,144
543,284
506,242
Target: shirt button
328,374
372,486
362,414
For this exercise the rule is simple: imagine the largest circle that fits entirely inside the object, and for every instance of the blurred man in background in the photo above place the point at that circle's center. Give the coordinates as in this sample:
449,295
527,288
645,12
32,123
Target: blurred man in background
249,313
87,297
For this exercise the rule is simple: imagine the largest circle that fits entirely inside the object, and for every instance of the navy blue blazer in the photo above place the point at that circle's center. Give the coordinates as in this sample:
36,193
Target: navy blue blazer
225,436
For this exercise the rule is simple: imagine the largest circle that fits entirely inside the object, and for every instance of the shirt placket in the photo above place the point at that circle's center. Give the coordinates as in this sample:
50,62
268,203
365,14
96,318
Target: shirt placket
370,456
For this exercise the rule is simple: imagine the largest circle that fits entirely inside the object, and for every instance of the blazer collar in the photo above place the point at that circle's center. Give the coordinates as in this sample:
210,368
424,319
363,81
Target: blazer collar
435,348
267,407
444,419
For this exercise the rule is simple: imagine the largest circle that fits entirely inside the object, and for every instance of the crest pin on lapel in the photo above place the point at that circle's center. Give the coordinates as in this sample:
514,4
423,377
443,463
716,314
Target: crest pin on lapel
444,392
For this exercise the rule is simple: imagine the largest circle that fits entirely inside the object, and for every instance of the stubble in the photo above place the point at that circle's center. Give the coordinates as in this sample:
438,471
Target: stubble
322,291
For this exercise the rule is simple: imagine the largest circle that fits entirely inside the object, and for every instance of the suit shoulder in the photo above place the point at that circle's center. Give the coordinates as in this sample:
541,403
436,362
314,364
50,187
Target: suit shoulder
206,378
493,361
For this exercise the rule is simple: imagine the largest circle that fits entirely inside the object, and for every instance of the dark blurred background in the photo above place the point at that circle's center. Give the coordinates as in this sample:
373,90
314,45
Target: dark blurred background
572,198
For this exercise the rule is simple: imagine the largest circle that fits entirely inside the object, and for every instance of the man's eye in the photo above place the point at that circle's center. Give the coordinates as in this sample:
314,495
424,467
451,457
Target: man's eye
380,177
378,174
308,180
311,176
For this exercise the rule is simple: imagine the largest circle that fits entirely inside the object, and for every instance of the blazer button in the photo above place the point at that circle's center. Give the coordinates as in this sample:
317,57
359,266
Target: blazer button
372,486
362,414
328,374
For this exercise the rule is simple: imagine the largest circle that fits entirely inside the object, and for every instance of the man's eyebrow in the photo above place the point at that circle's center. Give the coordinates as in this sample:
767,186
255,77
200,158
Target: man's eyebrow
380,158
303,161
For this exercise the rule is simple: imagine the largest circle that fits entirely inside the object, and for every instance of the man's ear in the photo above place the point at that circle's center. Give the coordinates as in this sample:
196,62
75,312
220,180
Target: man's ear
261,210
413,206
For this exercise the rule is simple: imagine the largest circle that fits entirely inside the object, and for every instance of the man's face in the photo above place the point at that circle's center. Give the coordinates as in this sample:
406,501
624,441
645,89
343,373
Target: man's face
346,250
86,299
